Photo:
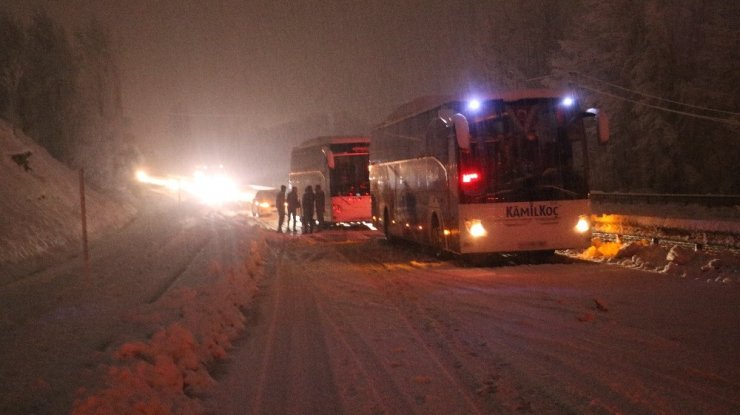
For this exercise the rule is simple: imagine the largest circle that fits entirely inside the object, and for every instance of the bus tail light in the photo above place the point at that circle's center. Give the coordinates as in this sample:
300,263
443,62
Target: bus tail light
470,177
475,228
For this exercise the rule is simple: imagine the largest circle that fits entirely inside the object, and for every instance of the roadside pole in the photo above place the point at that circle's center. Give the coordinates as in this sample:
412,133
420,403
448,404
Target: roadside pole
83,214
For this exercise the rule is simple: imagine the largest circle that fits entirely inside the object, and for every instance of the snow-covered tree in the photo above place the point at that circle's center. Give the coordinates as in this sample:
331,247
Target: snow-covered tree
103,145
11,66
521,38
46,89
659,68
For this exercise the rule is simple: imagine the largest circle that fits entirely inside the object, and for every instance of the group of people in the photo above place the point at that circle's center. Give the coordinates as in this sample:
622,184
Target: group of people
311,202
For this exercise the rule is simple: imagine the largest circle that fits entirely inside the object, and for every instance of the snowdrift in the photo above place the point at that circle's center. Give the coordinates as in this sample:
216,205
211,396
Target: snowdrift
166,374
40,203
669,259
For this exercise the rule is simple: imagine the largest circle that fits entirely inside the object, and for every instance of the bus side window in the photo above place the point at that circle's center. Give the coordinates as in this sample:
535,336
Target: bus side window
436,139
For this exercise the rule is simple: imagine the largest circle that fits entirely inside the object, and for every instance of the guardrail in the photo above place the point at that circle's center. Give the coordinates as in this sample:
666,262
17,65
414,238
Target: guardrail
670,218
655,198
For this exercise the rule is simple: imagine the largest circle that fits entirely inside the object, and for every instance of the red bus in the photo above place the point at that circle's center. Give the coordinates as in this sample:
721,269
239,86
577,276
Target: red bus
340,165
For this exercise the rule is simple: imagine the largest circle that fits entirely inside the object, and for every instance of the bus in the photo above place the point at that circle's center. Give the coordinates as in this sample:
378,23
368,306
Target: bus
502,173
340,165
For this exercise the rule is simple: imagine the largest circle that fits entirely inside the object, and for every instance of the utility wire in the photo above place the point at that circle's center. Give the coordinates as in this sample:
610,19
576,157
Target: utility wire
690,114
655,96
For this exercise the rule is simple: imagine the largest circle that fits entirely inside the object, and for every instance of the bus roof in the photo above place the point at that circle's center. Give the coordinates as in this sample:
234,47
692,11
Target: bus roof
333,139
429,102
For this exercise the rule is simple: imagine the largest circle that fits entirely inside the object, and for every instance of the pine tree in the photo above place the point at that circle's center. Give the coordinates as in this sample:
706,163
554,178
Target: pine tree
521,39
641,61
102,143
47,88
11,66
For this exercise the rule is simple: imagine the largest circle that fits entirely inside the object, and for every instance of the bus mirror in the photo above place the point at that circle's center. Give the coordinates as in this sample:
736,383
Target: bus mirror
462,131
445,114
602,126
329,157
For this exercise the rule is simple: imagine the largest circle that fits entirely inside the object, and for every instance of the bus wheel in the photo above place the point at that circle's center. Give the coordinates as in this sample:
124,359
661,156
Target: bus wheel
435,238
386,221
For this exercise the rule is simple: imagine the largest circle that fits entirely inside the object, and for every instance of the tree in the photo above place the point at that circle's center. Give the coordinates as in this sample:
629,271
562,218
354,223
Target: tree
657,67
47,87
66,95
103,144
11,66
521,39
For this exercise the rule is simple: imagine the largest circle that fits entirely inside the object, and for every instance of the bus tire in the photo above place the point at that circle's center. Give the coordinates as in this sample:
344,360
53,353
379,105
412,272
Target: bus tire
386,226
436,237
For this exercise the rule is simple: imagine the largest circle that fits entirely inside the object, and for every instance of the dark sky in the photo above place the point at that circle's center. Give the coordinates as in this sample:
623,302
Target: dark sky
264,63
275,60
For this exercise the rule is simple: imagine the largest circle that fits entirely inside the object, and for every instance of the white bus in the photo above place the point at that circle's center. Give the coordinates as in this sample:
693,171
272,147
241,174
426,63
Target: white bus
340,165
503,173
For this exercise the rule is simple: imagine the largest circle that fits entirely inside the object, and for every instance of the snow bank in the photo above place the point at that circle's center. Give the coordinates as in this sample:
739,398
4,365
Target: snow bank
40,204
677,260
166,373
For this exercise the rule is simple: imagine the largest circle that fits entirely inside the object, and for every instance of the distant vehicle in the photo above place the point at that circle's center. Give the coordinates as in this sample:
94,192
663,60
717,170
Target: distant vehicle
263,203
340,165
505,173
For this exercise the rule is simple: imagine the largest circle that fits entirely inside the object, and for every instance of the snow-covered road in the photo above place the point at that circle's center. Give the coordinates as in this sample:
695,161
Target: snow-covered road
58,327
346,323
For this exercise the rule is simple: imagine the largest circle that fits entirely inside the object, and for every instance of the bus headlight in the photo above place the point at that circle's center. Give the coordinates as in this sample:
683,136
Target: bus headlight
583,225
475,228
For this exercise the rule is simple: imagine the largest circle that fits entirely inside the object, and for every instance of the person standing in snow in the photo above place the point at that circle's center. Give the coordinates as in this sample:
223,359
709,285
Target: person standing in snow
307,203
280,205
293,205
320,205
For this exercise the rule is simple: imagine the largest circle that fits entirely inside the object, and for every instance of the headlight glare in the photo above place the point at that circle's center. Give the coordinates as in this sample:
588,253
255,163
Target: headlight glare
475,228
583,225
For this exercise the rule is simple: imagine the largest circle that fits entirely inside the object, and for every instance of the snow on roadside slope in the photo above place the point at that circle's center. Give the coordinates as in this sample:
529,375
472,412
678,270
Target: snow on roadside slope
40,207
165,373
677,260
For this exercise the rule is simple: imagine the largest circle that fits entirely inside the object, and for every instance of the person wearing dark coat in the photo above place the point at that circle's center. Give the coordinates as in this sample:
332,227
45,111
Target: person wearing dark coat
293,205
320,206
280,205
307,202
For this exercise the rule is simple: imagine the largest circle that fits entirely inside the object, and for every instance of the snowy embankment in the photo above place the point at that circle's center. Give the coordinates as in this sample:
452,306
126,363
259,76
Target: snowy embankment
155,366
40,203
675,260
166,373
694,226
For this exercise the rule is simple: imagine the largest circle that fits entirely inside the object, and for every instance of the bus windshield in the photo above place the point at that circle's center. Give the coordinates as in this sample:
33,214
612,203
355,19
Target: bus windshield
528,150
349,174
349,177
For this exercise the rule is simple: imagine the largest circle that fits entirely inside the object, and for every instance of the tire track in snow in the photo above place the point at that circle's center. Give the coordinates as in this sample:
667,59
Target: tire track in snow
385,394
542,345
168,282
543,358
294,373
452,383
